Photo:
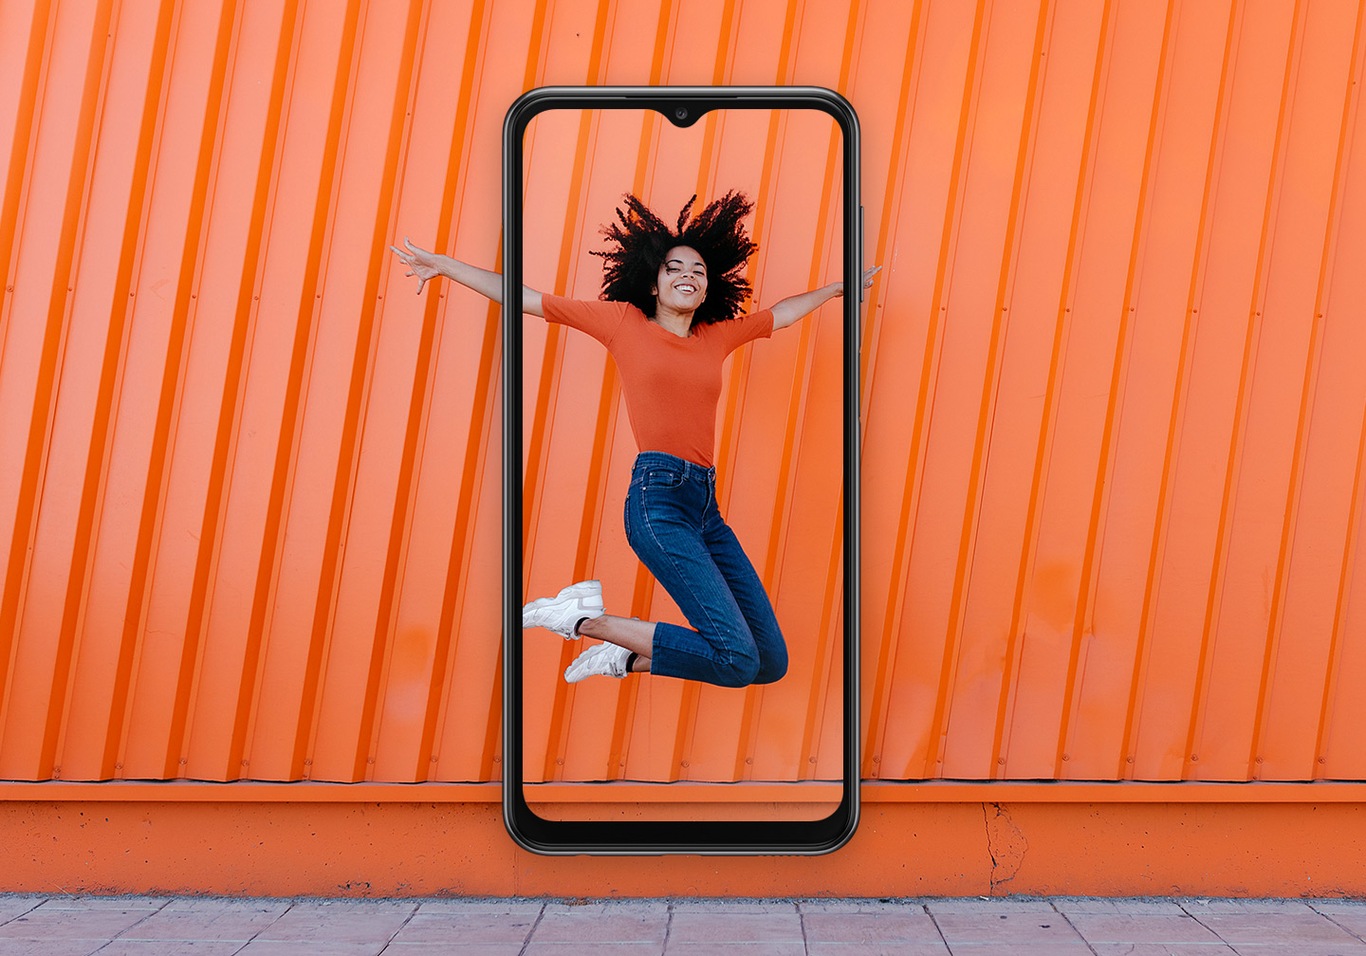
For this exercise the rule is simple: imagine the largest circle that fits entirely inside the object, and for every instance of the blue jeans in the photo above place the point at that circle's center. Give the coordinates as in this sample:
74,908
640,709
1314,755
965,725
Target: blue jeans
675,529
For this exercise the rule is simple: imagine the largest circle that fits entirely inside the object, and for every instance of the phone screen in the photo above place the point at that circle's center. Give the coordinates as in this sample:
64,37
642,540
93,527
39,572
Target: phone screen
683,415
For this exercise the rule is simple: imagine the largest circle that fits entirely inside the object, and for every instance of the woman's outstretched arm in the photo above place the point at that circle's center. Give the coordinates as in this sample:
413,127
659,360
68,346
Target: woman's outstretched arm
794,307
428,265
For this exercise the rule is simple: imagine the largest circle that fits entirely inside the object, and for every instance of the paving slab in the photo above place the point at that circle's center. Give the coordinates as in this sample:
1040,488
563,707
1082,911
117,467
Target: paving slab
1264,928
52,923
863,906
495,905
1141,928
730,928
12,906
49,947
1043,928
973,905
1233,907
170,947
876,949
1162,949
1132,906
1074,947
908,927
225,920
336,922
483,927
751,948
756,907
87,903
299,947
1301,949
1349,915
603,923
594,949
453,949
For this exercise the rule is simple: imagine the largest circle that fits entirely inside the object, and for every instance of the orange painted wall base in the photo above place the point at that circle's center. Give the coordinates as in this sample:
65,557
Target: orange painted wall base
901,849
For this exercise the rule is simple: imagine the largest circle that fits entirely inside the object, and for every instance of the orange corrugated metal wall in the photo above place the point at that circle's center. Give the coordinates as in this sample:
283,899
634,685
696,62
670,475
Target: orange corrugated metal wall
1113,422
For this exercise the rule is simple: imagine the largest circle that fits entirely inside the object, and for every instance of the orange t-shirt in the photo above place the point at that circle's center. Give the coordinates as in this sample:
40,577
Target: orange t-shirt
672,382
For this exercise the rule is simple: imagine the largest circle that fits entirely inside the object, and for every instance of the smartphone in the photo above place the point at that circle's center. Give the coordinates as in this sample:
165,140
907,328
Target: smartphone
681,288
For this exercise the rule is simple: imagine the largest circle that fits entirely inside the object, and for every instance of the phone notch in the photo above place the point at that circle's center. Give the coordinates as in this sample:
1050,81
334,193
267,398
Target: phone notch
682,113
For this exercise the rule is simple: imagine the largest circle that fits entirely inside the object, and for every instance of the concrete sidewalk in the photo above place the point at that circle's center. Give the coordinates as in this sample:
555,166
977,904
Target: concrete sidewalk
1057,926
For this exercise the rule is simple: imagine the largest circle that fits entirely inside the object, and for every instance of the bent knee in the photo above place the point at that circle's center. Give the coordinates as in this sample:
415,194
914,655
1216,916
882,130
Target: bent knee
740,672
773,659
772,669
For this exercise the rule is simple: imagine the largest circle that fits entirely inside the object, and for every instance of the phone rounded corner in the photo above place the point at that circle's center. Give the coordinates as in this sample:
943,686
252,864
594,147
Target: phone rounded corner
847,832
845,821
838,106
514,810
520,111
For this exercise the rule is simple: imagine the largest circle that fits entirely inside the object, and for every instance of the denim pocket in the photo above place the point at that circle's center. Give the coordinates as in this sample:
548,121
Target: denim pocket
664,478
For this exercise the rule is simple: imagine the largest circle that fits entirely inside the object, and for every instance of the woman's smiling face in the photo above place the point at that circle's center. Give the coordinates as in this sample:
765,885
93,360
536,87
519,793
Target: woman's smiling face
682,281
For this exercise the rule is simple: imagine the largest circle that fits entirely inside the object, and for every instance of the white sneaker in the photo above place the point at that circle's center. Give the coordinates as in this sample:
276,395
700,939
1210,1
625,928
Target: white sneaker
606,660
564,611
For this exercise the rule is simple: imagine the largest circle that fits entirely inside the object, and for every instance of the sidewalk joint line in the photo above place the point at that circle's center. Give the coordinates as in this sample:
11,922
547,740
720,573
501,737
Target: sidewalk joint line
1329,918
1072,926
24,913
937,928
408,919
540,913
166,901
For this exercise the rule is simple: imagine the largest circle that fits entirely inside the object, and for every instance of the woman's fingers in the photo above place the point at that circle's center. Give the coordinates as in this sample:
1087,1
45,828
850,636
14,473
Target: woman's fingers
410,259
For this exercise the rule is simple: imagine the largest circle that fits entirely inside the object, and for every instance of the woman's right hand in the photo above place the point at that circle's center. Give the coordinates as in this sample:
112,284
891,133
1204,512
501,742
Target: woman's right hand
420,262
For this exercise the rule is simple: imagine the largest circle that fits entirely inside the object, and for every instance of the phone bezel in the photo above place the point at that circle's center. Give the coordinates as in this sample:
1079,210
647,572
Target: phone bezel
709,837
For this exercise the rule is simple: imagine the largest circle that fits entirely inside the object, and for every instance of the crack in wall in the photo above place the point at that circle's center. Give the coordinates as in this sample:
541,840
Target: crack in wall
1006,844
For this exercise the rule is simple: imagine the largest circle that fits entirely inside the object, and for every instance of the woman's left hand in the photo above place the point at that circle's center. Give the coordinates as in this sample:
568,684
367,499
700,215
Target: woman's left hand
867,280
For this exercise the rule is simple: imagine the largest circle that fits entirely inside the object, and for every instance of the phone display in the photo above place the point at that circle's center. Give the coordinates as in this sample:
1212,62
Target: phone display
681,480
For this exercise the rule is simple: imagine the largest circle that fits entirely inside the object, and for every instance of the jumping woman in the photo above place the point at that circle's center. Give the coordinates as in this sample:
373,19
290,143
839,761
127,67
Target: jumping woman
668,317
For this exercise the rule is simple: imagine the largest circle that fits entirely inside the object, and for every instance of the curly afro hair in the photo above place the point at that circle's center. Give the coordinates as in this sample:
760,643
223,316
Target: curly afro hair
640,239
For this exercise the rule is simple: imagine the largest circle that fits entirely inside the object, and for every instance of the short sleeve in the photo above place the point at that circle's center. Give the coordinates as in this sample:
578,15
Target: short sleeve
599,319
747,328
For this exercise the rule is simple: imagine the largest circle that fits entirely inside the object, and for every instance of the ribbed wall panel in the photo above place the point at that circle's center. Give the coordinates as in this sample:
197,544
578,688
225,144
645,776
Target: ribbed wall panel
1114,425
